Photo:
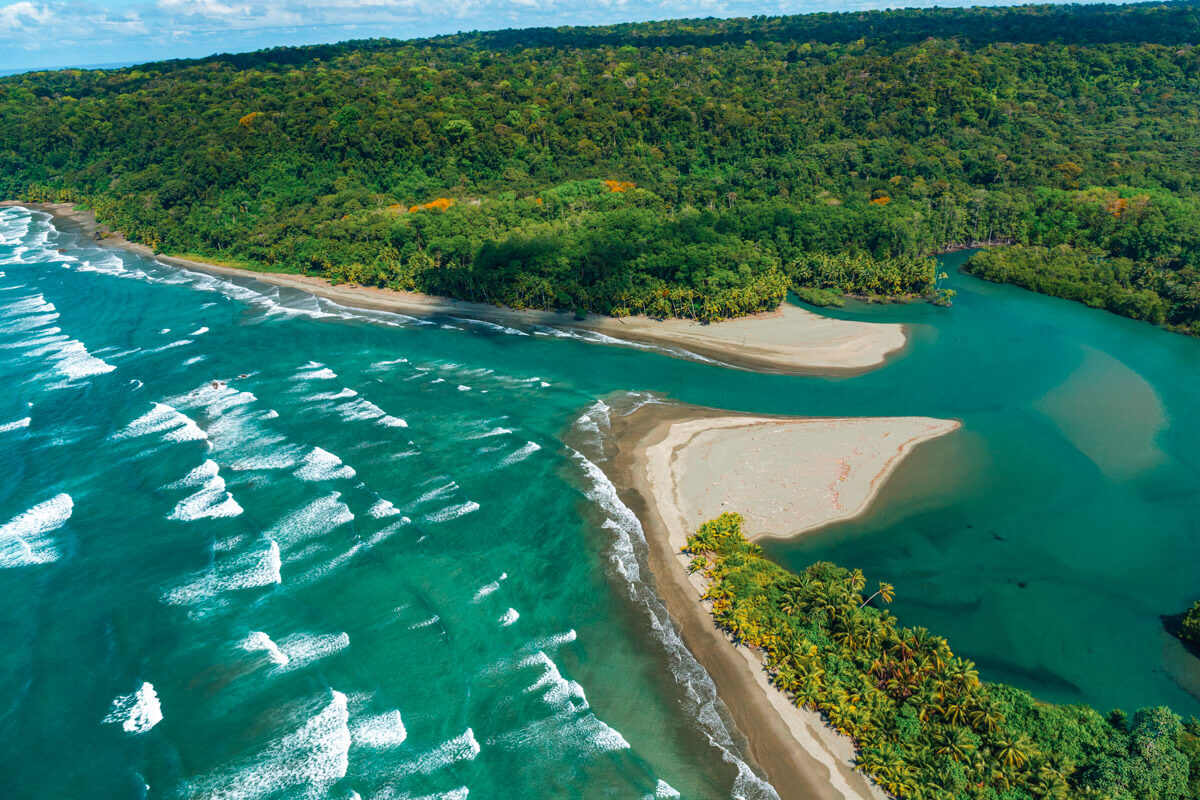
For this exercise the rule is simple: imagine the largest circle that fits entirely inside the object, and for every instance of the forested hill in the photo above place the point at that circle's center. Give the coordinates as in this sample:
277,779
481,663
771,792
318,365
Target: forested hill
689,168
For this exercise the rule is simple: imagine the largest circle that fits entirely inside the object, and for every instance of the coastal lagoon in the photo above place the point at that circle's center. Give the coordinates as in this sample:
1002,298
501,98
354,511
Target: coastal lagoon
256,541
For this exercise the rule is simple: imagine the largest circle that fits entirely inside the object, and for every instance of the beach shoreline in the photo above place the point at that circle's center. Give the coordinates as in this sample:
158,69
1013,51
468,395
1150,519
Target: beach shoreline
801,754
789,340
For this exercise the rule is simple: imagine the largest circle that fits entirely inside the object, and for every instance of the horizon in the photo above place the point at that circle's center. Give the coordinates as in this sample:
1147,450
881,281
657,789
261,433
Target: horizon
57,34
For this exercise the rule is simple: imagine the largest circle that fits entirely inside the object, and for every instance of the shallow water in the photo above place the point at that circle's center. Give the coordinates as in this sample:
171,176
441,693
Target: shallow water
257,545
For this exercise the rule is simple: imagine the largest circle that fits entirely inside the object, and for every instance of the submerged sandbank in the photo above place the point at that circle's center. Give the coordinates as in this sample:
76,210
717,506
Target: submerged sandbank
678,466
788,340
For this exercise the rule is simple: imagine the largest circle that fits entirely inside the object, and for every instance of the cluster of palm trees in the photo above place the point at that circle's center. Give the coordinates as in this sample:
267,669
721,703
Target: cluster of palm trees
863,274
925,725
763,292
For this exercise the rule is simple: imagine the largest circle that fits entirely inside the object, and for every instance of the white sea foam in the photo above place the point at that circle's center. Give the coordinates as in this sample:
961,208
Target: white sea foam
552,642
212,501
170,346
391,793
480,323
425,623
321,465
255,569
460,793
199,476
316,518
166,420
45,343
663,791
524,452
488,589
554,689
392,422
595,419
16,424
360,410
26,540
383,508
32,322
462,388
34,304
572,725
496,431
433,494
453,512
562,736
72,360
279,458
312,371
342,394
259,641
137,712
199,331
461,748
302,649
393,362
308,761
215,398
379,732
510,616
701,693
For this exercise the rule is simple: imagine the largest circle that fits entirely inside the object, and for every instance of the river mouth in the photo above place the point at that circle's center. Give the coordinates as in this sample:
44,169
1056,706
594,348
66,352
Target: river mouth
1045,546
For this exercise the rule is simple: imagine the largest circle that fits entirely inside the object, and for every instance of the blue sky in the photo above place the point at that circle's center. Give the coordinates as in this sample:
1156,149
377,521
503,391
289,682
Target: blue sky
55,33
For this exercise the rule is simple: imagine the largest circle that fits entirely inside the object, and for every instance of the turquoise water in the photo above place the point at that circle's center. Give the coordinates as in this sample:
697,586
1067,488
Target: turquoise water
256,545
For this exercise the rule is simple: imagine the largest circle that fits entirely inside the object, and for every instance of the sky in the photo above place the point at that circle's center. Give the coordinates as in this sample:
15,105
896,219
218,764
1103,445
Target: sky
40,34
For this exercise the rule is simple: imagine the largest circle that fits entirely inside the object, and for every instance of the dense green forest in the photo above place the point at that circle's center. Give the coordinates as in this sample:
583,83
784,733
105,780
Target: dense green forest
1189,626
694,168
925,725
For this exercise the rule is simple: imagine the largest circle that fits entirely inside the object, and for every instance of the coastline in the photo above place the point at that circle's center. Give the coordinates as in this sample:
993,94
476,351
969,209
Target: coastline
789,340
802,755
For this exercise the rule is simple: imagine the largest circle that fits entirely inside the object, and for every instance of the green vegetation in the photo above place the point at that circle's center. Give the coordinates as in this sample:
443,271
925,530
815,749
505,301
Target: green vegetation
1189,626
694,168
925,725
1132,252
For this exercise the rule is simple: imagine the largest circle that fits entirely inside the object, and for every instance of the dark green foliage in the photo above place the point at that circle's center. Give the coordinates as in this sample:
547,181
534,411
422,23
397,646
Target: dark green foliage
1136,253
830,151
1189,627
924,724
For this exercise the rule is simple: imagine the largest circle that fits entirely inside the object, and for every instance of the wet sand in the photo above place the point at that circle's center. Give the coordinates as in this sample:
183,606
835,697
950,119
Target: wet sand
676,466
788,340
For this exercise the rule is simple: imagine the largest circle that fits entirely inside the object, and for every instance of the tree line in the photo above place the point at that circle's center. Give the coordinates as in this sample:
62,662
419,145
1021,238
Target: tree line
923,722
694,168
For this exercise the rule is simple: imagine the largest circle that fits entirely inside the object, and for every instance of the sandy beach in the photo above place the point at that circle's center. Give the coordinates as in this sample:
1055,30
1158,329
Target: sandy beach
677,466
789,340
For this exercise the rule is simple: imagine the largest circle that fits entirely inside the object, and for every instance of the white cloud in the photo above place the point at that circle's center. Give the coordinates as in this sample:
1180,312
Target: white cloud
97,31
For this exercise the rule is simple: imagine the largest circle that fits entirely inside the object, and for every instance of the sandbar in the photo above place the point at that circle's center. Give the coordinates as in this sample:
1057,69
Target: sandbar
677,466
789,340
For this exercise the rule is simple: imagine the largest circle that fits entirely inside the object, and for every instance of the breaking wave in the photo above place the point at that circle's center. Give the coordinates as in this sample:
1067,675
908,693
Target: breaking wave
25,540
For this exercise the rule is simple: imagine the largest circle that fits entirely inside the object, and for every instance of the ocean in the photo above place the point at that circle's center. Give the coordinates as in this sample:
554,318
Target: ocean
257,545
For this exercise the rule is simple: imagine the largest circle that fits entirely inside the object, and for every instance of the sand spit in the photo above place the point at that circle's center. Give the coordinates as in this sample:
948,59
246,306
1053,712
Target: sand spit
789,340
677,466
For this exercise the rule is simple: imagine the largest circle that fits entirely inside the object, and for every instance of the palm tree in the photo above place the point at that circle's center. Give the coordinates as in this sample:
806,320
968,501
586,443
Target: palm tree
857,580
954,713
885,591
953,742
963,672
987,716
792,603
1012,751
